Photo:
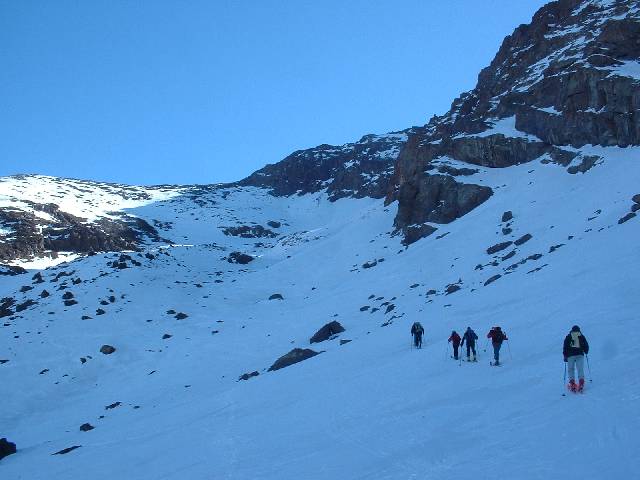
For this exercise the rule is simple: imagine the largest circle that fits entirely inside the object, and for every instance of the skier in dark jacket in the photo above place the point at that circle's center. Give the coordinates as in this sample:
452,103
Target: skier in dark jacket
454,339
497,336
574,349
417,331
470,337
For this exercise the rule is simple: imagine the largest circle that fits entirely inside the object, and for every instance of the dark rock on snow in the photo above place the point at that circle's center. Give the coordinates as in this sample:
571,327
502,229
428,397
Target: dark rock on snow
6,448
276,296
238,257
64,451
249,231
294,356
107,349
498,247
523,239
626,218
247,376
326,332
85,427
451,289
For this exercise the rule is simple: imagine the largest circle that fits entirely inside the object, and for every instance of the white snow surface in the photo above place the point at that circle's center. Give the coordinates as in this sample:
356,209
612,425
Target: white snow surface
89,200
373,408
502,126
629,68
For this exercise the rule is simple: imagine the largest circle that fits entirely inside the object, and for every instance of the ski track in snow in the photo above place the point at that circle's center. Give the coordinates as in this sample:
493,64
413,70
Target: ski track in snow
370,409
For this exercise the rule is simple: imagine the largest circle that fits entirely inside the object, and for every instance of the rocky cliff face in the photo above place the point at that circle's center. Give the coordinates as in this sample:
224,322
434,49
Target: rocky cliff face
570,78
360,169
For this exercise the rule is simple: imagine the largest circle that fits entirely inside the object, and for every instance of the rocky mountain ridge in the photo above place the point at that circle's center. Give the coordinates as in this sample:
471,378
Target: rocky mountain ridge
568,79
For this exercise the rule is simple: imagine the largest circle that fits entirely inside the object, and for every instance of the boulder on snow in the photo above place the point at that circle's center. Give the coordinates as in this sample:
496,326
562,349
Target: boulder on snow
6,448
492,279
107,349
44,294
507,216
67,296
326,332
85,427
181,316
636,198
294,356
523,239
276,296
451,288
64,451
24,305
247,376
626,218
498,247
238,257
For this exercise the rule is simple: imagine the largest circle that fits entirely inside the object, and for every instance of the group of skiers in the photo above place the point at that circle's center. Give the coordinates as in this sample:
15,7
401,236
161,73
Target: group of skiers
574,349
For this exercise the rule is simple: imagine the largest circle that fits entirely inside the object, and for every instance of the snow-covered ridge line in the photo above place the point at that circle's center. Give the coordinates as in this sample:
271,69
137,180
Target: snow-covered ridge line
81,198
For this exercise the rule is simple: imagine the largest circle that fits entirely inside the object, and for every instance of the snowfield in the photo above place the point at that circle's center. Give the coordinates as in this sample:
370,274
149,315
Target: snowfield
372,408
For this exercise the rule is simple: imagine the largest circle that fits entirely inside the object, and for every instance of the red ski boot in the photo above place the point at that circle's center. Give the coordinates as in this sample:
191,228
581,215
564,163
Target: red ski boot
572,386
581,385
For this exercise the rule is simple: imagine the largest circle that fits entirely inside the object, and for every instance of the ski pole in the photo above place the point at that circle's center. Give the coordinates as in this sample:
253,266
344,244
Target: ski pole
485,345
509,347
564,380
589,368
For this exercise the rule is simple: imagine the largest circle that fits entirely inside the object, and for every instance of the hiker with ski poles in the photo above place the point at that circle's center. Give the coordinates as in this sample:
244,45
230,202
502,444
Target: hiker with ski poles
574,349
417,331
470,337
454,340
497,336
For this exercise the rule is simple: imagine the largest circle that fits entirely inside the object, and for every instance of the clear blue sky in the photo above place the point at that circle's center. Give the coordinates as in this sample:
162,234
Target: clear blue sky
204,91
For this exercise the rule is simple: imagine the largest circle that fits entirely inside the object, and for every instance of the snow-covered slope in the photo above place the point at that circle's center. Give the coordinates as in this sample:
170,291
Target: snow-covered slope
371,408
158,336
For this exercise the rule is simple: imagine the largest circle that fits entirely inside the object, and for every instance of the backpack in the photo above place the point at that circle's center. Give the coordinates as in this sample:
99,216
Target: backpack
417,328
497,336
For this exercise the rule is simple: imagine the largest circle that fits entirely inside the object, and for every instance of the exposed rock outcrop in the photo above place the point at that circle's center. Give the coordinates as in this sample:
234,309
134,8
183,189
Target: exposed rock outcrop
294,356
326,332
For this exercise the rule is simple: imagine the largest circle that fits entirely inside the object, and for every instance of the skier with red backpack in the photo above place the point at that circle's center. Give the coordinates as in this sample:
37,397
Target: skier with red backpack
497,336
454,340
574,349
